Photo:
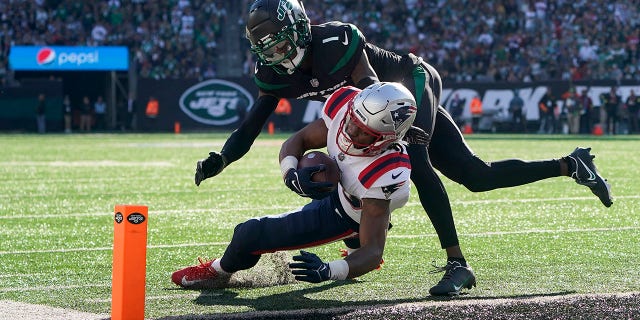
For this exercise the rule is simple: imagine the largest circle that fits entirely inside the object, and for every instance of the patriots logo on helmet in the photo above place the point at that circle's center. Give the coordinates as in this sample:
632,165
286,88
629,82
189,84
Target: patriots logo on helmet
403,113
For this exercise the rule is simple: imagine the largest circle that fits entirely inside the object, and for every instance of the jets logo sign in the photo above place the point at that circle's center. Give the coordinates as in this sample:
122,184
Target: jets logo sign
215,102
283,7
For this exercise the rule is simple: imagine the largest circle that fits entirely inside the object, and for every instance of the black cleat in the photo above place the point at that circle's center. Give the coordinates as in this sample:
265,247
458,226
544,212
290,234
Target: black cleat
456,277
586,174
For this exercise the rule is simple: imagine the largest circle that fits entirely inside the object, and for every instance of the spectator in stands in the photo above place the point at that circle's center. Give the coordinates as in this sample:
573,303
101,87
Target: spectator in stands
130,121
282,113
4,70
611,101
151,111
547,106
41,109
518,117
456,108
67,112
572,110
152,107
100,111
633,107
511,39
586,106
85,115
476,112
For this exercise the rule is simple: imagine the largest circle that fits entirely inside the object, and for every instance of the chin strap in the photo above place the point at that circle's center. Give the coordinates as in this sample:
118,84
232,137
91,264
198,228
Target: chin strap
292,64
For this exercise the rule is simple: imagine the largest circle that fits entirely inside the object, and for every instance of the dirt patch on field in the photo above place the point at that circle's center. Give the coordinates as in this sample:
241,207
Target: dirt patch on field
572,306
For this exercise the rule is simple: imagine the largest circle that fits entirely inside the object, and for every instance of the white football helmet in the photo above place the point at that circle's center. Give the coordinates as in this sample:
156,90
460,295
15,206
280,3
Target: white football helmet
384,111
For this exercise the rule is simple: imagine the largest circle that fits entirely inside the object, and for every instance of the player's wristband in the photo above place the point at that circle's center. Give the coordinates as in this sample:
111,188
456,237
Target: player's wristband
289,162
339,269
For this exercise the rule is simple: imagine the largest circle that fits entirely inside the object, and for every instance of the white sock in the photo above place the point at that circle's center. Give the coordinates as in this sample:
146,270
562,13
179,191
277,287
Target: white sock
216,266
350,251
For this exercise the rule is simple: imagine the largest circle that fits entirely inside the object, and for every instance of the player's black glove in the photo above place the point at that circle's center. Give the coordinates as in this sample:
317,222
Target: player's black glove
209,167
416,135
299,181
311,269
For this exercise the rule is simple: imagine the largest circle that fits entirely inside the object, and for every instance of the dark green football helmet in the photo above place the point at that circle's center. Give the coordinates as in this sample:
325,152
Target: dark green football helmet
279,32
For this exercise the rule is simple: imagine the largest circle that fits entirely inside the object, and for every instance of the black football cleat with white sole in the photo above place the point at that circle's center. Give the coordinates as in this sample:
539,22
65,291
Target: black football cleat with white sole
456,277
586,174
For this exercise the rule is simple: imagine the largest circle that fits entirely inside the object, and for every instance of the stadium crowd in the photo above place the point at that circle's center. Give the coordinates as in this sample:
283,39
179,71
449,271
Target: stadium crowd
502,40
166,38
468,40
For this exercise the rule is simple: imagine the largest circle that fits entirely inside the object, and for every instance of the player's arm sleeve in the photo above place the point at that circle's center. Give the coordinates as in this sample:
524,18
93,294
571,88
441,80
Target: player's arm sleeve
373,235
363,74
312,136
240,141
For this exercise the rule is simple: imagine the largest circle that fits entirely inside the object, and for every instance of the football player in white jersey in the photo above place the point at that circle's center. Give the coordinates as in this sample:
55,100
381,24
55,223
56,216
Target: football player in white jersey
363,131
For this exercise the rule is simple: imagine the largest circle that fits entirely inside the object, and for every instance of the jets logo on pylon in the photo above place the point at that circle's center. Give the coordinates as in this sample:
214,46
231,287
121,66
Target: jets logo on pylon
45,56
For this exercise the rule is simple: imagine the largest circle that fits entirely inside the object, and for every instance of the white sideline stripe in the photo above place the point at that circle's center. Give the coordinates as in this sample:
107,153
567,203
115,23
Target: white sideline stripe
23,275
398,236
164,297
100,163
152,213
39,288
212,210
180,245
507,200
502,233
19,310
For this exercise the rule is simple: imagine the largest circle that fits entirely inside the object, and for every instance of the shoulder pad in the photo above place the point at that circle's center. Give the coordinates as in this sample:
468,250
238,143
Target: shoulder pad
339,99
387,169
338,45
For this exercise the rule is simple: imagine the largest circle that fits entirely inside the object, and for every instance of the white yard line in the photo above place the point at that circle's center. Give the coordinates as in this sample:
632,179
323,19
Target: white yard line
289,207
41,288
98,163
398,236
180,296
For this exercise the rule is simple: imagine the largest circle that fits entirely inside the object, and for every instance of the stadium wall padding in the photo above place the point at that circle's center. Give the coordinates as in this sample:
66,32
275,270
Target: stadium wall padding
18,105
216,104
495,96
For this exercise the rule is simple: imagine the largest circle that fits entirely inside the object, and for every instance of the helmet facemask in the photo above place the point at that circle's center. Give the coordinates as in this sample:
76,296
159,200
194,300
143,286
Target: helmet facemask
379,140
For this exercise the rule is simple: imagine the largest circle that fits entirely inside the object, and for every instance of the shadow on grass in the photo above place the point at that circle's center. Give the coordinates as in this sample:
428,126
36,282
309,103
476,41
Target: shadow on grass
295,305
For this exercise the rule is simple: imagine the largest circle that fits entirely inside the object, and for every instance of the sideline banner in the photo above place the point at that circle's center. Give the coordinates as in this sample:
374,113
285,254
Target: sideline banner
64,58
219,104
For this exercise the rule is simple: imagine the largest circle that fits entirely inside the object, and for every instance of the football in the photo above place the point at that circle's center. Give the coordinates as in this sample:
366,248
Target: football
331,173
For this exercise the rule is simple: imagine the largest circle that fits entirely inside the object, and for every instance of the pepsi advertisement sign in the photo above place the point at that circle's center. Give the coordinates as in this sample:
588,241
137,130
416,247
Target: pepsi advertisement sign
62,58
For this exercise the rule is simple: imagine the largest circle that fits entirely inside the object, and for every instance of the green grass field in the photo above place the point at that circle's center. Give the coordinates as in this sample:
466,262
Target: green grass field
58,192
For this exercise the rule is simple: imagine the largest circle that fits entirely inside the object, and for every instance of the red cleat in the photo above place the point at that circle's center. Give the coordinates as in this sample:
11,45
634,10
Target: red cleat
200,276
